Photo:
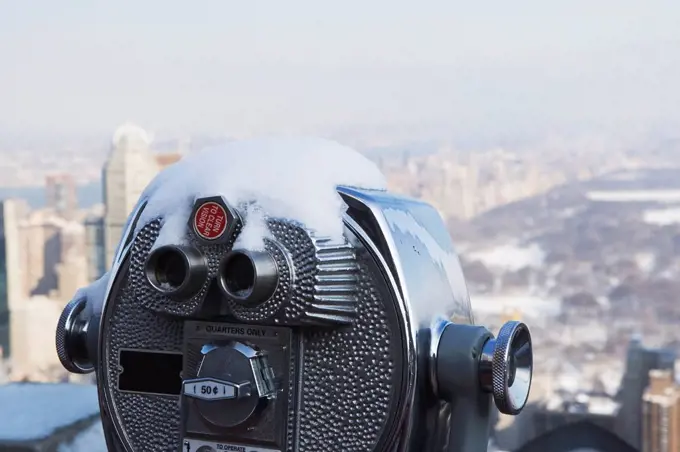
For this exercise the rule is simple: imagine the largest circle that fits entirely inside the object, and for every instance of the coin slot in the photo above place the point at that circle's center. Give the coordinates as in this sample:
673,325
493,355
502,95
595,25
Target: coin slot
150,372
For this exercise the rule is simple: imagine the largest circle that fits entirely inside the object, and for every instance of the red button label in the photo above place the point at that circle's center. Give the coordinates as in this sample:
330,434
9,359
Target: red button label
210,221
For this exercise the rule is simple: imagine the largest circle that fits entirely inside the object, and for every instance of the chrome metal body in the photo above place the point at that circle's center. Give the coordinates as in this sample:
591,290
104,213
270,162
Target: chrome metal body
409,242
418,255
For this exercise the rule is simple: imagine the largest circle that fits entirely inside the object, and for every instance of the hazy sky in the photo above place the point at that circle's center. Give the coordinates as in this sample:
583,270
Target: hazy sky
255,66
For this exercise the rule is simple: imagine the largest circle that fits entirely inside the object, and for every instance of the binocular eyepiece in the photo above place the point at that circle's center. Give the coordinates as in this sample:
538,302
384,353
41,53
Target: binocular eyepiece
310,341
176,271
247,277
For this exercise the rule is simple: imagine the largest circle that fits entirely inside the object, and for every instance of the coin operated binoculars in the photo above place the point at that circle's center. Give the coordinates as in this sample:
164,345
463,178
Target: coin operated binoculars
364,343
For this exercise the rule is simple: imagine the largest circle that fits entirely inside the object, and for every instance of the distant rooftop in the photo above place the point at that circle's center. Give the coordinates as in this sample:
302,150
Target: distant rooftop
168,159
662,389
34,411
132,133
582,403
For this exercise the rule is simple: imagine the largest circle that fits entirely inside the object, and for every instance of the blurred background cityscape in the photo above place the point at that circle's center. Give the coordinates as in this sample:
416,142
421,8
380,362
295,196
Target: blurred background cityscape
584,246
546,134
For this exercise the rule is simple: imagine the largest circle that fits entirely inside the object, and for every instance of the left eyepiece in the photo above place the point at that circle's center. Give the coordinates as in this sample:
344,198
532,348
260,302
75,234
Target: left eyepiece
176,271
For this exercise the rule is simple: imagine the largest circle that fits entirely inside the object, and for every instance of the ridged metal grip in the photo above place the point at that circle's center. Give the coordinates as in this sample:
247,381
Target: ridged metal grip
70,338
506,367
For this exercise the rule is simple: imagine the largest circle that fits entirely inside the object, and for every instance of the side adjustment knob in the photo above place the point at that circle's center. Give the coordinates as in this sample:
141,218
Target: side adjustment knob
468,364
233,381
506,367
71,338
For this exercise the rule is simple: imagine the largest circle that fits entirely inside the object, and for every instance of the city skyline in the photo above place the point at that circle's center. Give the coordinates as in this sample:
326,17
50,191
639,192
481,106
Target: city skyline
535,242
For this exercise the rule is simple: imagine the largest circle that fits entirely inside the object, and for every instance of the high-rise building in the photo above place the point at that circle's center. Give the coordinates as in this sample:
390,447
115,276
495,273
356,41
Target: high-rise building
661,413
128,170
53,255
40,251
639,362
94,246
32,339
72,267
61,193
11,278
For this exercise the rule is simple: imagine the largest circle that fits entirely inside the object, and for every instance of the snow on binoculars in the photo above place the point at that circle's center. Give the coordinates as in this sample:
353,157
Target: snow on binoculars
272,295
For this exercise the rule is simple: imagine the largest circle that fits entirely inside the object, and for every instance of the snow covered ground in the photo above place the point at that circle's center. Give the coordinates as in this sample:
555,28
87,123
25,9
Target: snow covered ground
510,257
662,217
662,196
528,305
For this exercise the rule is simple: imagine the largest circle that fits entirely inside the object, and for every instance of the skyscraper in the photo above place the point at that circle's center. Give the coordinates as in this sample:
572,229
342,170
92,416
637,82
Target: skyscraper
42,249
128,170
94,246
11,279
61,194
639,362
71,271
661,413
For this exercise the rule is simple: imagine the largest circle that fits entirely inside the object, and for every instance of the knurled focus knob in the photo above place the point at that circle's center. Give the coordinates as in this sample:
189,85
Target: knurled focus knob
233,382
71,338
506,367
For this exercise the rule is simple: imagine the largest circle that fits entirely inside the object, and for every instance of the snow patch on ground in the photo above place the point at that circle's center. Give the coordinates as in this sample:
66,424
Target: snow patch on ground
662,217
511,257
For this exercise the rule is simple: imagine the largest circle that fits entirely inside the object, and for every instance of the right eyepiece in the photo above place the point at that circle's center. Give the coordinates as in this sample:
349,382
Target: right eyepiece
177,271
248,277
